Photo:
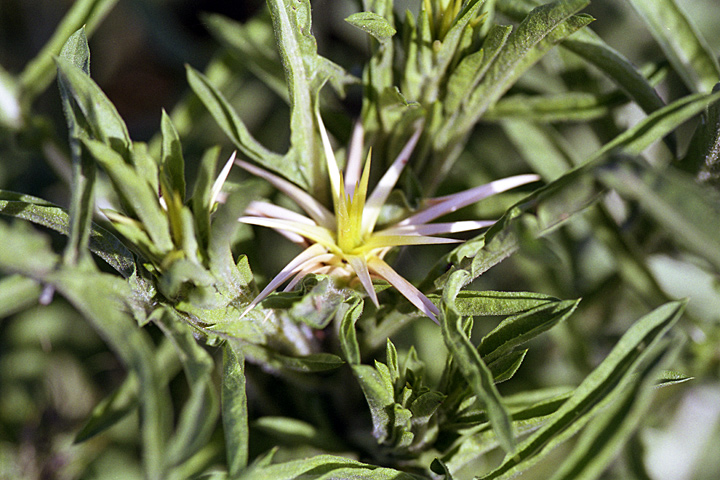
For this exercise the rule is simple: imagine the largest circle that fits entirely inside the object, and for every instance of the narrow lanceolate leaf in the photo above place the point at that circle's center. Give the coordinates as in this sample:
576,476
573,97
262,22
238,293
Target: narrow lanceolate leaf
136,193
607,380
483,303
374,24
680,40
595,51
687,210
125,399
199,414
252,42
604,436
324,467
473,368
551,206
518,329
82,203
38,74
103,120
544,27
571,106
305,71
235,128
102,243
100,298
173,164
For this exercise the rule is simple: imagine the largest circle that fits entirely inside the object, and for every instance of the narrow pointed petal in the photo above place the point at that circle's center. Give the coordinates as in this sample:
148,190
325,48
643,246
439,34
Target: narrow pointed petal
287,272
313,265
360,266
436,228
311,232
315,209
387,183
354,159
381,241
220,180
450,203
332,166
260,208
408,290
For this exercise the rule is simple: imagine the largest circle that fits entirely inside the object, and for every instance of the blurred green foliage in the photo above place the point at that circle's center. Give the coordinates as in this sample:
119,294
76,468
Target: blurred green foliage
123,353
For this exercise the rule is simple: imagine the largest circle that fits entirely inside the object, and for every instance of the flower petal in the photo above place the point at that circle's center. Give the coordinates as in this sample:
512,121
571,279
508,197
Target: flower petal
311,232
360,266
453,202
314,265
353,167
287,272
220,180
259,208
436,228
387,183
381,241
408,290
315,209
332,166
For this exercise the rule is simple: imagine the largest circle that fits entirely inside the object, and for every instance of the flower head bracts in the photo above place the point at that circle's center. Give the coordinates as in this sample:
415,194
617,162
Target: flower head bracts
345,242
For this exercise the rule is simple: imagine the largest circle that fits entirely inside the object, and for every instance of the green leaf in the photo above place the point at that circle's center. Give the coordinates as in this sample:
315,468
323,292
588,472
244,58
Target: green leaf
670,377
541,30
541,146
136,193
17,293
298,52
234,409
348,335
324,467
82,204
518,329
605,434
101,299
505,366
483,303
202,196
316,362
619,69
102,243
291,431
607,379
380,395
235,283
703,154
687,210
252,43
125,399
374,24
173,164
562,107
473,368
235,128
680,40
199,414
551,206
39,72
98,112
595,51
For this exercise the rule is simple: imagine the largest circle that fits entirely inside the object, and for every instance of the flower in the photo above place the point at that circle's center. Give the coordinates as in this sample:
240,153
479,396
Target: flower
345,242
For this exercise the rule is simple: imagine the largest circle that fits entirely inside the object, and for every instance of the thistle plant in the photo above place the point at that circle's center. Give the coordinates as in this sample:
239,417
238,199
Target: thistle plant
346,244
150,329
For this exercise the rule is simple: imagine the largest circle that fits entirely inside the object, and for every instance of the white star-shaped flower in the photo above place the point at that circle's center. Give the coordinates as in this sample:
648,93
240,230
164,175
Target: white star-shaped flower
344,242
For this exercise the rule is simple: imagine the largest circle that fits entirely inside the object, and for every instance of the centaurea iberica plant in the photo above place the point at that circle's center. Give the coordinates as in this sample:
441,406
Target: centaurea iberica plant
345,243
